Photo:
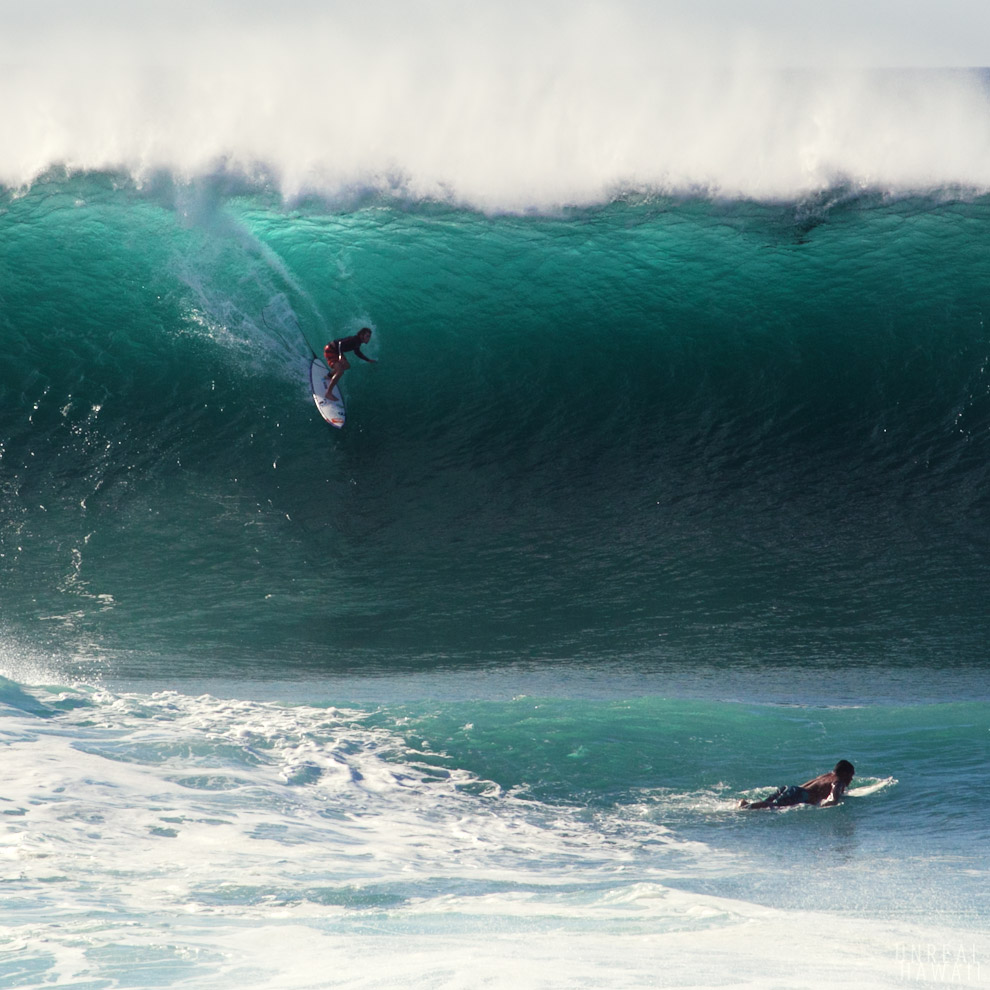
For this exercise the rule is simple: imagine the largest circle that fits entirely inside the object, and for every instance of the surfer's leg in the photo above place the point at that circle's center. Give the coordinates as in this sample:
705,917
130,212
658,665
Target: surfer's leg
338,368
770,802
790,796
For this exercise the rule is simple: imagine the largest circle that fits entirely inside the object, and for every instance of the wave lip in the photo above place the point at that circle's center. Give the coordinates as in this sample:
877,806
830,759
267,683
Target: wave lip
533,114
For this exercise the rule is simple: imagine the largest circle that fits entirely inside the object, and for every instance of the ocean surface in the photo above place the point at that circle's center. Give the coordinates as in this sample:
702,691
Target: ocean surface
655,498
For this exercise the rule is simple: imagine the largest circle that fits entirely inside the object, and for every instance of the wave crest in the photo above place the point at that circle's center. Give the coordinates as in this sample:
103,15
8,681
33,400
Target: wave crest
505,110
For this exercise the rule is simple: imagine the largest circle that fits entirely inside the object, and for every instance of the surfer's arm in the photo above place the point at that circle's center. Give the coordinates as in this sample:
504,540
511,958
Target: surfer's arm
363,356
835,795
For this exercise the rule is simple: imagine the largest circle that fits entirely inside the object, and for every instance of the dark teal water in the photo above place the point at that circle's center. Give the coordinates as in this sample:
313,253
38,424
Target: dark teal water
673,429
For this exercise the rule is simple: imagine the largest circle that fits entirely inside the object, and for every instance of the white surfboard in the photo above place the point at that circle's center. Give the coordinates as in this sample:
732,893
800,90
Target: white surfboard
867,789
332,409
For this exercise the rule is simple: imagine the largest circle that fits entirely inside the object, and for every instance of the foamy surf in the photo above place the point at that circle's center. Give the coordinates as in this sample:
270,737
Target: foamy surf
168,838
507,107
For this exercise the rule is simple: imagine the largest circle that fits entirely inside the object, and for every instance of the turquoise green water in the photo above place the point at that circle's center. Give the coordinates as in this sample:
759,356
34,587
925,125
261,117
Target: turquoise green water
671,427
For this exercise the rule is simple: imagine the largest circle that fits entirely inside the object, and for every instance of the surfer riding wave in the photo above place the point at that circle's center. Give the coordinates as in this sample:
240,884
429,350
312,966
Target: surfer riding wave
334,353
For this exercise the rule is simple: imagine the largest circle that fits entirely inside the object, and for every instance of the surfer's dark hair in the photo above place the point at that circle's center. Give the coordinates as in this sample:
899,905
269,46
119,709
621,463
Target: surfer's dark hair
844,769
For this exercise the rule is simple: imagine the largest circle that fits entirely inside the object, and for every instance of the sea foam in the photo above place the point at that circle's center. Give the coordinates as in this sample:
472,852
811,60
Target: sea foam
499,109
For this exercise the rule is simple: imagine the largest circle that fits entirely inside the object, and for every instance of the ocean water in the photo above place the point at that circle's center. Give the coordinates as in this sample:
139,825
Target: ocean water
660,494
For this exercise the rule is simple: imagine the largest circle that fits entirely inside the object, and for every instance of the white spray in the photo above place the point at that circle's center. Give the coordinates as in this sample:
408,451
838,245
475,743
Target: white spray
500,106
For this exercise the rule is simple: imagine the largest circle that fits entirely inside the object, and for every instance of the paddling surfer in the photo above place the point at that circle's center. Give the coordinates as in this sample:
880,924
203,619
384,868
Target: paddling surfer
334,353
825,789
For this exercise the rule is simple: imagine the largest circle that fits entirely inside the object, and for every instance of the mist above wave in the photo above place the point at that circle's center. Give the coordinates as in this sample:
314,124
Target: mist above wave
499,109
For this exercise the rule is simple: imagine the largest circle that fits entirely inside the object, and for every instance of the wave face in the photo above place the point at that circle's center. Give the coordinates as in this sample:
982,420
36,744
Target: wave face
680,429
